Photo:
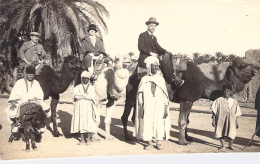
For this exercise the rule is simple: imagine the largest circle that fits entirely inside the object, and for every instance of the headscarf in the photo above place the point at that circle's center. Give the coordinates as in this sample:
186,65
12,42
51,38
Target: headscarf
149,61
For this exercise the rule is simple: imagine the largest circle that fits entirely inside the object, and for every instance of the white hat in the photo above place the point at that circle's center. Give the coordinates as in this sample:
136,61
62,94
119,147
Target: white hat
151,59
86,74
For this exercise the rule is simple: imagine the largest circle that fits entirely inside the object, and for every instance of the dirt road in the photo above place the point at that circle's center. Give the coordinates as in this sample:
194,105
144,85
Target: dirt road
66,146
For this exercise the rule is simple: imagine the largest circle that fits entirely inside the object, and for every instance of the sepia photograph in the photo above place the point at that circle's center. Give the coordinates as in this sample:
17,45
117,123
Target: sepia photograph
129,78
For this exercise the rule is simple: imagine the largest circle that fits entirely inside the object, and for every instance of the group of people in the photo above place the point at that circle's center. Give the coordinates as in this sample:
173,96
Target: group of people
152,116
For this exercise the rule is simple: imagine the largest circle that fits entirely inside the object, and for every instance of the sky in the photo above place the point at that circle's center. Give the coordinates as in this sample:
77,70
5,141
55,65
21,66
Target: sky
186,26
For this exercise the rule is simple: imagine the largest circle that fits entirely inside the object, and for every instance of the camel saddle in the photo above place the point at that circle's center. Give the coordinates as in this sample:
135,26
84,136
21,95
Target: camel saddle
25,107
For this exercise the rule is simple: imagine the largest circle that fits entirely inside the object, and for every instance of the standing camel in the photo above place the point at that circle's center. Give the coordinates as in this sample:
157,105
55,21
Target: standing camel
109,86
53,84
197,85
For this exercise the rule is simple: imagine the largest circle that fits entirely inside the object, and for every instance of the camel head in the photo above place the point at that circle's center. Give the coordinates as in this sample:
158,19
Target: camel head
121,62
72,63
242,70
121,75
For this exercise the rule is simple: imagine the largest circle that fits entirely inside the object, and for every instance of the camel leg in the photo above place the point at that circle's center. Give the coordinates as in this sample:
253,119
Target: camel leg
95,136
185,108
27,140
54,103
124,119
187,137
109,111
33,142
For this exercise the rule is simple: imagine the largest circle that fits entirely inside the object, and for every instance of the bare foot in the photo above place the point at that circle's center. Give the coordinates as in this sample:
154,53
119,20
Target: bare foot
148,147
81,143
221,149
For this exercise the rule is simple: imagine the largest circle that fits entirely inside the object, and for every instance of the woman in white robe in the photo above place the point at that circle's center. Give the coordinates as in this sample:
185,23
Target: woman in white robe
152,108
84,115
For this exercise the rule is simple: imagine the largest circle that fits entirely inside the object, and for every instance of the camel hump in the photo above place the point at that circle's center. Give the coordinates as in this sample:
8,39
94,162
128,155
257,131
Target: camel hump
215,72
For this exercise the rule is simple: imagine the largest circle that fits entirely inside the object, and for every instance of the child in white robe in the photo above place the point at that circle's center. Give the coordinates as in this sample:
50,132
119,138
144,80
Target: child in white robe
225,113
84,116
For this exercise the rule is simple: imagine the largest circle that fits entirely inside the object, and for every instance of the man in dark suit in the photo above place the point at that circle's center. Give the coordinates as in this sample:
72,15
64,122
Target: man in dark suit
149,46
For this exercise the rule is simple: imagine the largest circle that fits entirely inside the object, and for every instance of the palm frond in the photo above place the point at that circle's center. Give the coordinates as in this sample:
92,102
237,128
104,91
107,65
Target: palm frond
36,7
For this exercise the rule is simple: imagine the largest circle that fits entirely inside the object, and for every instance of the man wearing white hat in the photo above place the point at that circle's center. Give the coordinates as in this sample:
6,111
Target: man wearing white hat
33,53
152,106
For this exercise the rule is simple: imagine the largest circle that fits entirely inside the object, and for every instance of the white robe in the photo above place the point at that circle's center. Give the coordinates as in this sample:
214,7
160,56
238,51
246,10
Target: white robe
152,124
226,113
22,94
85,115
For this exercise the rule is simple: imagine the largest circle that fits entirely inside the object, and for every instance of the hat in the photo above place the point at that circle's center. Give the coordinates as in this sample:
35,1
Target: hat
35,34
150,60
152,20
86,74
30,70
227,86
92,27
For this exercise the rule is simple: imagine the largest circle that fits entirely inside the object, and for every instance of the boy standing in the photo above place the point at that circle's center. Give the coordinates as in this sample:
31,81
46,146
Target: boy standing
225,113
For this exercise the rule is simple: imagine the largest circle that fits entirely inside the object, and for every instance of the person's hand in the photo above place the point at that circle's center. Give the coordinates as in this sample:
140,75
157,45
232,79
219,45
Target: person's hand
165,112
214,122
100,56
91,54
237,124
154,54
13,106
142,113
165,115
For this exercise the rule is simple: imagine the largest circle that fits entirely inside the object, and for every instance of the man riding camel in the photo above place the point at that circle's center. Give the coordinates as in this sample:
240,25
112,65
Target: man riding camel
33,53
148,46
93,47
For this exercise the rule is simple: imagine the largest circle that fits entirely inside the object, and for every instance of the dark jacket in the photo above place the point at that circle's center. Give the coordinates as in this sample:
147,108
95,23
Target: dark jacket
88,47
146,45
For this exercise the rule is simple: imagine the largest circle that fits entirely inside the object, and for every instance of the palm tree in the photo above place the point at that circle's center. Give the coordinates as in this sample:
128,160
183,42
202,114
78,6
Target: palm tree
62,23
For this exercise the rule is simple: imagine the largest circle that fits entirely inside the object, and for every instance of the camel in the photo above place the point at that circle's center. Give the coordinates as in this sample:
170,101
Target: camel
53,84
197,85
110,85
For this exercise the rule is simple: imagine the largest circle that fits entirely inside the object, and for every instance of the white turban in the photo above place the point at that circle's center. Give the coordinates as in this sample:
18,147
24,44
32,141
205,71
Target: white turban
86,74
150,60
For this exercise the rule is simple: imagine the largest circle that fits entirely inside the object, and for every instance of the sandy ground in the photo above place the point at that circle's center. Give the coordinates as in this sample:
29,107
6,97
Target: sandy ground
66,146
